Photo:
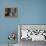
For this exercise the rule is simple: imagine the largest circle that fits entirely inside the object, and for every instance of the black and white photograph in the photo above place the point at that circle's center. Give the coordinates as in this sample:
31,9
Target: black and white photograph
11,12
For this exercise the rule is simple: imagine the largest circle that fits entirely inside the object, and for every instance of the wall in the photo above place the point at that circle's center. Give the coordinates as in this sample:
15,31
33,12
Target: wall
29,12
